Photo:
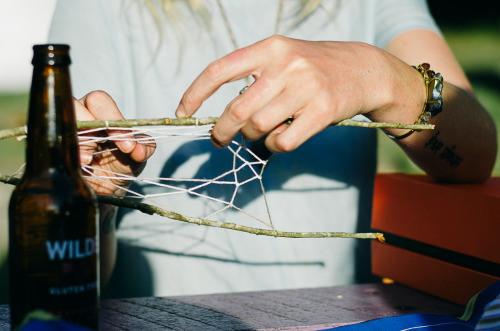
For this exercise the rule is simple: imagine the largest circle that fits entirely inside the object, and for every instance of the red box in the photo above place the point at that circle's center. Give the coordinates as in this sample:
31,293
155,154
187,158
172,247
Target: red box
442,239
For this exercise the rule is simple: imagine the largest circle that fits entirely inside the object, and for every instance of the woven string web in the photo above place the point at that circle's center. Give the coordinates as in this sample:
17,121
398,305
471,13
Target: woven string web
242,158
164,131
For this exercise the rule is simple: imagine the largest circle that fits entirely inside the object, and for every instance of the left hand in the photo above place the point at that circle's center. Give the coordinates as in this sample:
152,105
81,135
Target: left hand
124,158
316,83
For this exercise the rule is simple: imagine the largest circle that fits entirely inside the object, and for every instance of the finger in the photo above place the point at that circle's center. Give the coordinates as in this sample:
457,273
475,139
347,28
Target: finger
287,104
234,66
81,112
144,148
86,156
243,108
103,107
287,137
87,146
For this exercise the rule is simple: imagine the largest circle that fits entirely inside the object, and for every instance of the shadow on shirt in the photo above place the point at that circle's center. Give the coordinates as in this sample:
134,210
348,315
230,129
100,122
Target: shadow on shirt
344,154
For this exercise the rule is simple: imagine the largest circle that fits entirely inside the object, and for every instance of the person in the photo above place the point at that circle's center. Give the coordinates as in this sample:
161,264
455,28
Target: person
315,64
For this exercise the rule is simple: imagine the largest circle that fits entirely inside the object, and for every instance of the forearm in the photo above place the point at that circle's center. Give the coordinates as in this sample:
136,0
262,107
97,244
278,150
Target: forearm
462,147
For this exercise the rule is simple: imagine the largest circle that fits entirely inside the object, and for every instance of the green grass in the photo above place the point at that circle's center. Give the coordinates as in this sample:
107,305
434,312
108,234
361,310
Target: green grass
13,108
477,49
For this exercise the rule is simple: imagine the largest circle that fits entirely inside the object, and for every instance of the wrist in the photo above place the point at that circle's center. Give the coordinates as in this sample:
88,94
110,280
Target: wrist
434,101
406,99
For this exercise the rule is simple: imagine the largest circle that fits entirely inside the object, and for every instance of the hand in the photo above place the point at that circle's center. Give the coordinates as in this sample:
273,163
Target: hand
126,157
316,83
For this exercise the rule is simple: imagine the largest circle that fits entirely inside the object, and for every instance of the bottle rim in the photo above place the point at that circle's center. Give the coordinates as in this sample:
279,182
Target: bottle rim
51,54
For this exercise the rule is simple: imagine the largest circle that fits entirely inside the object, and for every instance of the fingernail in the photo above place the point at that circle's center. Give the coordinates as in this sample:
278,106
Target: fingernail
180,112
217,143
243,90
85,158
126,146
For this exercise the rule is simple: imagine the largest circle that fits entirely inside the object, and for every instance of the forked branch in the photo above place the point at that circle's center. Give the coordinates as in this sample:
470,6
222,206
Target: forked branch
150,210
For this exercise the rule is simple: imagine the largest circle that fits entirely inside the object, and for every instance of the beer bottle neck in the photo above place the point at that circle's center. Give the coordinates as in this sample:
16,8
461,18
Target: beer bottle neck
52,142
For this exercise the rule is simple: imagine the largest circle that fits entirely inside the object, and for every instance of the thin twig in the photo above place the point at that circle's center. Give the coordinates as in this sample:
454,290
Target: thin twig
151,210
16,132
9,179
191,121
188,121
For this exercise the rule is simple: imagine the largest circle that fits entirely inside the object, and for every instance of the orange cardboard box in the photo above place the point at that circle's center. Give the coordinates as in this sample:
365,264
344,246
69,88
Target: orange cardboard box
443,239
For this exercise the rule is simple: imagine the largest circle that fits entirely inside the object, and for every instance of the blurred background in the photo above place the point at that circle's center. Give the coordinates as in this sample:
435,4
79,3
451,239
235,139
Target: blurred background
23,23
472,30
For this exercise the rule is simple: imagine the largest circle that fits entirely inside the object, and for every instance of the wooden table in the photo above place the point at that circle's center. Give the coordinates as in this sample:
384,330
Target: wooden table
304,309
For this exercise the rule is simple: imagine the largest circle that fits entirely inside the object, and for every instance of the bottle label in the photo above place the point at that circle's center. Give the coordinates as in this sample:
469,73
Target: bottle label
72,289
66,251
71,249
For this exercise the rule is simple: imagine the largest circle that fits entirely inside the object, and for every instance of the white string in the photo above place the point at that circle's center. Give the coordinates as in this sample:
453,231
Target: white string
173,186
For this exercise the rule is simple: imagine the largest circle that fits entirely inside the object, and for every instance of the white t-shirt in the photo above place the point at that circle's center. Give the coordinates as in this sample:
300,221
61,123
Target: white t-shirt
325,185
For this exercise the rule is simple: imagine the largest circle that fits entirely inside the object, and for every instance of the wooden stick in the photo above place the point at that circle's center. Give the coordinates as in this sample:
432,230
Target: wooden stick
151,210
191,121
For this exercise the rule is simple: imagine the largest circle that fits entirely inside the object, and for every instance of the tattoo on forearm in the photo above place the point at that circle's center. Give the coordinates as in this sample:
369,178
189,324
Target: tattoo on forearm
451,157
445,153
108,218
434,144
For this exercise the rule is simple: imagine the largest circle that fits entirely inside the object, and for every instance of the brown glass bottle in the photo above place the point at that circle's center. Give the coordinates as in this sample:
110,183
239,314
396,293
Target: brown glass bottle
53,238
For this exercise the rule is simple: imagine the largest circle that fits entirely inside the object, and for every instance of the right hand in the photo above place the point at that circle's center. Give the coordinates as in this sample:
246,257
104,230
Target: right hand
317,83
126,157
